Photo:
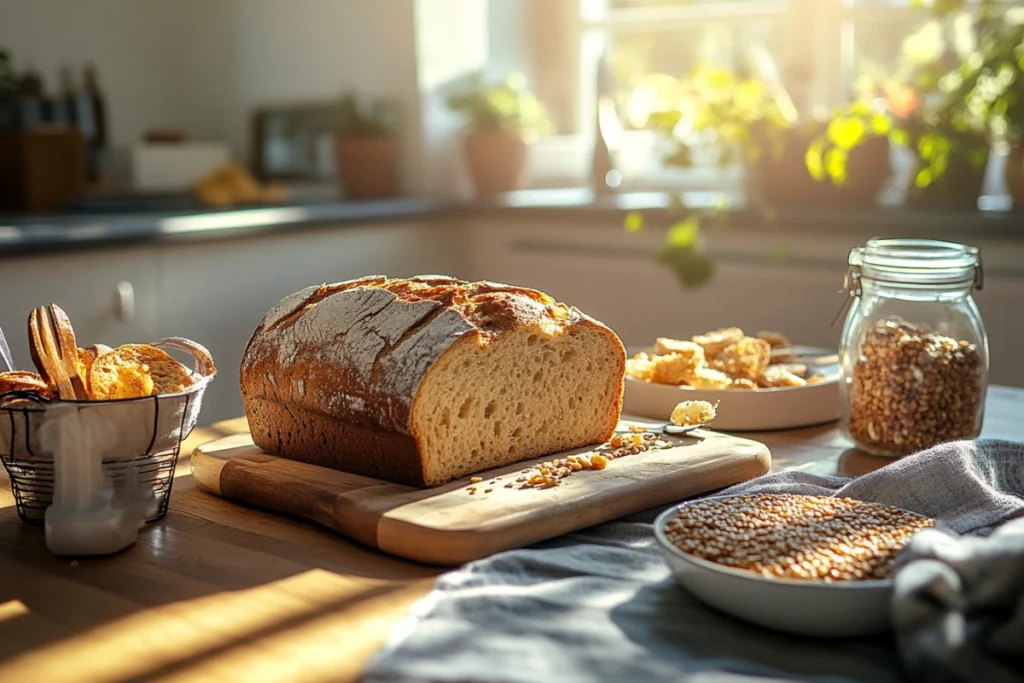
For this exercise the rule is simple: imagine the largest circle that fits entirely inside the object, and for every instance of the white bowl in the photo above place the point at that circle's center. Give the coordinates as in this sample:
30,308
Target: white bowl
806,608
744,409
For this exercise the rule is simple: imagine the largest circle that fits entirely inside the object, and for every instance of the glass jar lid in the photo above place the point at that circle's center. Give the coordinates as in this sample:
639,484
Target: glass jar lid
917,262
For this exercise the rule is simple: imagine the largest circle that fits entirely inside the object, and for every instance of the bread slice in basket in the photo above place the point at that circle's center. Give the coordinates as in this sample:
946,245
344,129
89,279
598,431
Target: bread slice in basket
428,379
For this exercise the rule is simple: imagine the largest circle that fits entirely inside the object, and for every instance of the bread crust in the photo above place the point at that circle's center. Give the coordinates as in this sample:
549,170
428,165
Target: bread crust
22,380
331,373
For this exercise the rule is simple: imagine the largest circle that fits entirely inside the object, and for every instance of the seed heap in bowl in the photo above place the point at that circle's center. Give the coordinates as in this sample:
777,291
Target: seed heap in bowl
796,537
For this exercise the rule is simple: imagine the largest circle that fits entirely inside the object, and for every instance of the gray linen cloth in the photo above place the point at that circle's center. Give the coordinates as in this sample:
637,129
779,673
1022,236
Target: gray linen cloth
601,605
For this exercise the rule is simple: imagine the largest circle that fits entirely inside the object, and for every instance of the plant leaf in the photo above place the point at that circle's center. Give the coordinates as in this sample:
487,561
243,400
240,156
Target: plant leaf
847,132
924,178
835,164
814,161
634,221
690,266
899,137
684,233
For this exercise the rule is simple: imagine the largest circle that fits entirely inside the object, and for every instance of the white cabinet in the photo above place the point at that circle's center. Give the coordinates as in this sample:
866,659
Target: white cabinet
216,293
110,295
611,275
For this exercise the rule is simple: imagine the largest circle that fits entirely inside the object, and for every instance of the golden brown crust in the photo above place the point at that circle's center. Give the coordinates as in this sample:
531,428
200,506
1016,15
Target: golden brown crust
312,437
86,357
21,380
135,370
380,356
350,357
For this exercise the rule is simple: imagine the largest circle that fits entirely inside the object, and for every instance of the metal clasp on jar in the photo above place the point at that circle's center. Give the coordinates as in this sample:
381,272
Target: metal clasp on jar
852,287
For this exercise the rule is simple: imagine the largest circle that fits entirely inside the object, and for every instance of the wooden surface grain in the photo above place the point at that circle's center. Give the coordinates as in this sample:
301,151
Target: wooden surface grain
221,592
454,524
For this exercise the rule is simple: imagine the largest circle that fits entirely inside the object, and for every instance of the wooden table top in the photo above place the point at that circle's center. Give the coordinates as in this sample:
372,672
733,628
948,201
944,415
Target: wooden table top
219,592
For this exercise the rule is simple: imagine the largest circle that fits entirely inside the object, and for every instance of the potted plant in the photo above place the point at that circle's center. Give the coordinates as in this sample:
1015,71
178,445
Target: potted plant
728,120
851,153
366,149
985,93
502,121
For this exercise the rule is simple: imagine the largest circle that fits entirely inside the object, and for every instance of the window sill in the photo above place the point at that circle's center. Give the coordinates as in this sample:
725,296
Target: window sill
565,161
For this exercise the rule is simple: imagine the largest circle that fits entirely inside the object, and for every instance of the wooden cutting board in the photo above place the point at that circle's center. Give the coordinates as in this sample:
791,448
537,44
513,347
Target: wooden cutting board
448,525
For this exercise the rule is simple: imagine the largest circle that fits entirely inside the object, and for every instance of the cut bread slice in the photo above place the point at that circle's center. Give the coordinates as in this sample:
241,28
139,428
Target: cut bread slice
525,395
135,370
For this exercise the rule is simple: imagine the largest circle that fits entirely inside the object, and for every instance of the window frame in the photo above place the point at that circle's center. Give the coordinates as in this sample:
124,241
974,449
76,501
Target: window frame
826,84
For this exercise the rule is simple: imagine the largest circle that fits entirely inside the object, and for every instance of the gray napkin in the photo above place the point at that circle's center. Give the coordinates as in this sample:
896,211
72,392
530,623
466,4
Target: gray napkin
601,605
958,608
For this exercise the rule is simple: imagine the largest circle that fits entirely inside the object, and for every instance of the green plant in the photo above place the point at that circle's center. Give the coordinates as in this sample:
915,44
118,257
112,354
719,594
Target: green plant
740,118
378,119
507,106
986,91
850,127
942,100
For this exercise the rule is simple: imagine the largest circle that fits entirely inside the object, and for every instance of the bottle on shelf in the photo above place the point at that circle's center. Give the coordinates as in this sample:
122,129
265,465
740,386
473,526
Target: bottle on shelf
91,117
604,177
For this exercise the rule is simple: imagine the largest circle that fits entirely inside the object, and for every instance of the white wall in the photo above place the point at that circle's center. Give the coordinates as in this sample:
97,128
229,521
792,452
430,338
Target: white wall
203,65
136,47
251,53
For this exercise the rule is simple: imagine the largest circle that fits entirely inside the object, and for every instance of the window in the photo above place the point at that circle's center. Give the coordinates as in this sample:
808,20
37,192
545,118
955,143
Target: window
823,52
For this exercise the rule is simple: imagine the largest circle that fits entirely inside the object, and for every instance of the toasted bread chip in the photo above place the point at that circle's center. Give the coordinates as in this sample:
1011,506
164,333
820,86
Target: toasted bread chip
639,367
675,368
776,339
21,380
665,346
779,376
135,370
798,369
689,413
715,342
745,359
86,357
707,378
782,354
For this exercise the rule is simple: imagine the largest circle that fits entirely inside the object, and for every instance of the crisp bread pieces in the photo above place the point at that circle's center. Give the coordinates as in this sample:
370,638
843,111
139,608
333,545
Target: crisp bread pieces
135,370
726,358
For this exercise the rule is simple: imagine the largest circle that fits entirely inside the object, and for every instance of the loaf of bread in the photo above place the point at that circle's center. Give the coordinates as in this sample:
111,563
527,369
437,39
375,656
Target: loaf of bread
428,379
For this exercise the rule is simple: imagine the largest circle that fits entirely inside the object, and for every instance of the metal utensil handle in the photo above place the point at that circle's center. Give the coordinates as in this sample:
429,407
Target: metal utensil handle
6,359
204,361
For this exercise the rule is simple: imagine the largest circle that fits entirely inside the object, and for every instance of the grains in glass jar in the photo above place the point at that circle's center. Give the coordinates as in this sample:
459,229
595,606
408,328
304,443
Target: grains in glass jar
912,389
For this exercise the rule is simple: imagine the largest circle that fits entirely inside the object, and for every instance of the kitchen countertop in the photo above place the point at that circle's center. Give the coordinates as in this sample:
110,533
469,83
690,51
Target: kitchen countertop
220,592
100,227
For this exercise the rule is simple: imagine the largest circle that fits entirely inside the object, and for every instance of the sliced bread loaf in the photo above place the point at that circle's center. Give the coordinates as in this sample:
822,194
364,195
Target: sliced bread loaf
428,379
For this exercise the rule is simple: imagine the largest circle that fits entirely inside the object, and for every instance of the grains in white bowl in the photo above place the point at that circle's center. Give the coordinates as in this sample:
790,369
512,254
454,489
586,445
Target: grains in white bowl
795,537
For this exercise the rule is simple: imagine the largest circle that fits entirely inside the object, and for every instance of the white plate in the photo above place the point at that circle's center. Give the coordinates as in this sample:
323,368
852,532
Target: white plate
808,608
745,409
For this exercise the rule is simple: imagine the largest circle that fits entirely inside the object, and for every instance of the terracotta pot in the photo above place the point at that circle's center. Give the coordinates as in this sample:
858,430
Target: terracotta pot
366,166
1015,177
498,161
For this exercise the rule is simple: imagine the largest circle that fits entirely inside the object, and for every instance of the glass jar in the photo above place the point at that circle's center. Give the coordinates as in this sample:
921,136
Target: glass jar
914,353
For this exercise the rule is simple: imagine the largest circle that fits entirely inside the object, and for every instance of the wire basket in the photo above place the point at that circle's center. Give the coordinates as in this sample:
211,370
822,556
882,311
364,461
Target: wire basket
149,432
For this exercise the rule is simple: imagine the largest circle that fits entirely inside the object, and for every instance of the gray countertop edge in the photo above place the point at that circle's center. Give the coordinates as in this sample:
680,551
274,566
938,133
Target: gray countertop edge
26,234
